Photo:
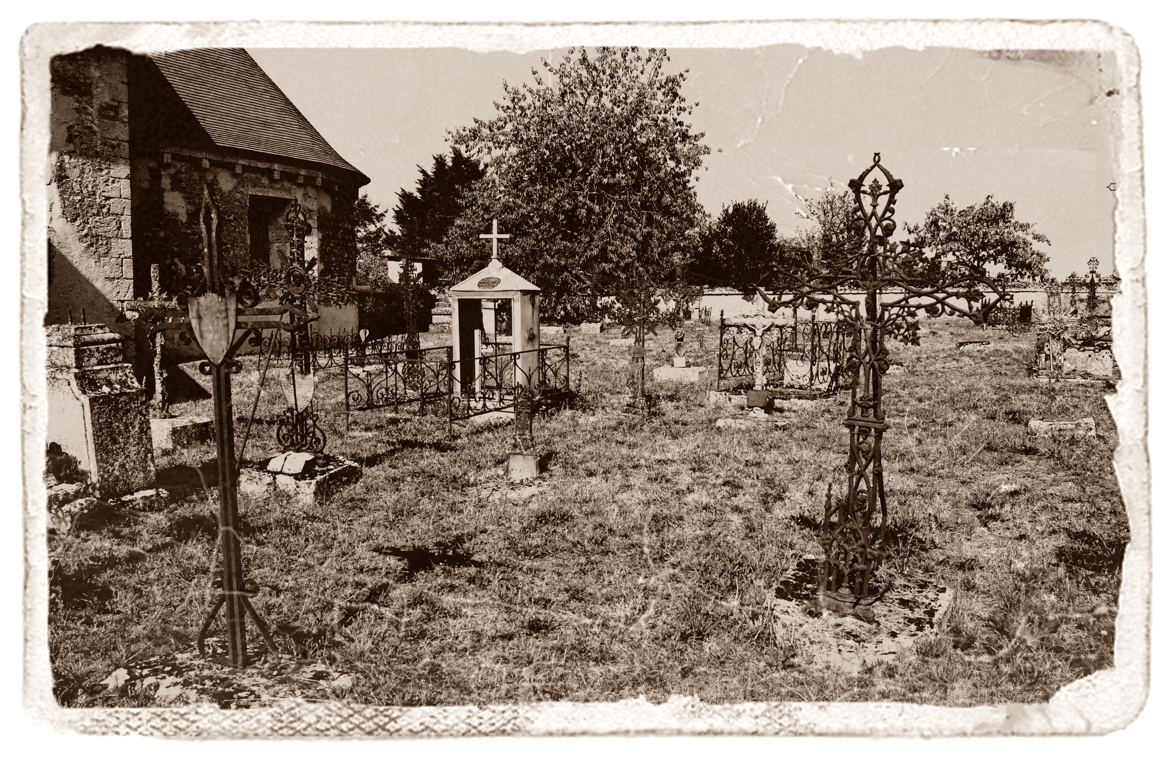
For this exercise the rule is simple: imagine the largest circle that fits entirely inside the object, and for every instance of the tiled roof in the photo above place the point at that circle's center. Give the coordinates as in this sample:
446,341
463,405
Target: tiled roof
241,108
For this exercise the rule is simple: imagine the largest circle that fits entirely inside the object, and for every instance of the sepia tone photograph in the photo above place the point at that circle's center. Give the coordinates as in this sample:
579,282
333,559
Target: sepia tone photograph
703,382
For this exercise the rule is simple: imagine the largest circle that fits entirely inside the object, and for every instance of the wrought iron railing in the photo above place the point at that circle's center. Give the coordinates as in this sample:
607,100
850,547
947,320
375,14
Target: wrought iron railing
800,355
498,377
415,381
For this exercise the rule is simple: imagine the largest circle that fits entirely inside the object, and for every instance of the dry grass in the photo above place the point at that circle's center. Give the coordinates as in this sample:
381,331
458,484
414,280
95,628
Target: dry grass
641,563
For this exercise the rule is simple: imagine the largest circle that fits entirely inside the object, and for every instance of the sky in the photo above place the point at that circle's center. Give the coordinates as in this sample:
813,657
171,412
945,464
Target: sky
783,122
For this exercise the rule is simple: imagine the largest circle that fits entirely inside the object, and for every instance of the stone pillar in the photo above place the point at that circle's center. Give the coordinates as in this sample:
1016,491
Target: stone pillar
97,410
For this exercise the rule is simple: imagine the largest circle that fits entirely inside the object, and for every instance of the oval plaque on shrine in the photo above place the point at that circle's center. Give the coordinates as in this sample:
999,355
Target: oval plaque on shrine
488,282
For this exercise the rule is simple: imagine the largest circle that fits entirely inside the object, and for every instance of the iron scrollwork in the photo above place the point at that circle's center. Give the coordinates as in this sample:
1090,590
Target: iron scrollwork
897,280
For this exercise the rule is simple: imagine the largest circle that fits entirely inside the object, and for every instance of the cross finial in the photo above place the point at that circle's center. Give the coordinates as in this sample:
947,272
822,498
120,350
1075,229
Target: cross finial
495,236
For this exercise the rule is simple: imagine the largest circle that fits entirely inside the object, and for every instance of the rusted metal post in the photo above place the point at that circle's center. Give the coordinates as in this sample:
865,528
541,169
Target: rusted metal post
232,572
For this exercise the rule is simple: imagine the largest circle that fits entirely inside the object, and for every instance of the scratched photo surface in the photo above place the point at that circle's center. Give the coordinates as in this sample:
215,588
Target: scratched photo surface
428,376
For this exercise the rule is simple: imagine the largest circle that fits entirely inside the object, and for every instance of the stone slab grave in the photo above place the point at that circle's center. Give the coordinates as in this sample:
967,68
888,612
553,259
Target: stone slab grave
188,677
97,409
591,328
726,399
179,432
691,374
303,478
814,638
1092,364
1082,428
752,418
625,341
974,345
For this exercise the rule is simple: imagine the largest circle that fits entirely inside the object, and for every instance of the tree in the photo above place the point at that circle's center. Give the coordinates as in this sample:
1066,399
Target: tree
833,233
589,167
425,215
986,237
374,239
740,248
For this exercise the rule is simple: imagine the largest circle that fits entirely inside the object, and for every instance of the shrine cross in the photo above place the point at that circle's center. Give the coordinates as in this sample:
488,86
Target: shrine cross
495,236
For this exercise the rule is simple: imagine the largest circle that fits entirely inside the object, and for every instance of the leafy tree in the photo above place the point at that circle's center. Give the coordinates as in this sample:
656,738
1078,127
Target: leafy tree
986,237
740,248
833,234
425,215
590,168
374,239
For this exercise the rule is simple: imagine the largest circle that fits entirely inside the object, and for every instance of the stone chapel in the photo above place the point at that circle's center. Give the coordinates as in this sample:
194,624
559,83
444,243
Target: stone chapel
135,138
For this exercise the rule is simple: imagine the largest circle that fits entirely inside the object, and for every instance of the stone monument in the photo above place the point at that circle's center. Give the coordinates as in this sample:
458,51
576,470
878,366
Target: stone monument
97,410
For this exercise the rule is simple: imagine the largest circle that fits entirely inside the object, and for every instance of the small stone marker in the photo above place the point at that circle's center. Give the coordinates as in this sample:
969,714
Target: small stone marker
680,361
1083,428
302,478
977,344
591,327
726,399
292,463
523,466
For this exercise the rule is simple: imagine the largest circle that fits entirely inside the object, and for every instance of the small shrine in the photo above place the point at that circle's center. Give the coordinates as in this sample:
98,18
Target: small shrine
473,319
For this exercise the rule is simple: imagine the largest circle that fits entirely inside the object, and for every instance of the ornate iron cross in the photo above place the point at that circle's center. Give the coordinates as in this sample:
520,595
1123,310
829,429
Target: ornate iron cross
896,280
216,306
297,430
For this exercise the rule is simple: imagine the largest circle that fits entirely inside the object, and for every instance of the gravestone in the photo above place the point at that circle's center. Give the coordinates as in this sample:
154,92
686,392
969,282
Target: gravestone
679,371
591,328
180,432
1097,364
97,409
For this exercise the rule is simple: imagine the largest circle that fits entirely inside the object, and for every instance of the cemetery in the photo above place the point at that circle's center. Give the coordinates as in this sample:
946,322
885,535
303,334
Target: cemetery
888,481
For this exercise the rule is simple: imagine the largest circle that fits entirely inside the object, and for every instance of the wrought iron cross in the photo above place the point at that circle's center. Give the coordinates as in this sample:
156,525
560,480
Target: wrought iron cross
896,281
297,429
215,305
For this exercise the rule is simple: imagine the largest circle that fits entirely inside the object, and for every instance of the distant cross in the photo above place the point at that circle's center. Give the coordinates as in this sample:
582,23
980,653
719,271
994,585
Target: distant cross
495,236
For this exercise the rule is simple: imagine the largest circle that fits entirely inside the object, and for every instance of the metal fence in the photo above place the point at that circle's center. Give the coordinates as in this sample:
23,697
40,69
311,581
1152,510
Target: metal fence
797,356
499,375
413,381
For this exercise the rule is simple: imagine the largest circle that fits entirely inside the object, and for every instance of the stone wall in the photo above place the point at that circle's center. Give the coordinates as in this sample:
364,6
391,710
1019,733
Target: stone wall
734,305
91,269
168,193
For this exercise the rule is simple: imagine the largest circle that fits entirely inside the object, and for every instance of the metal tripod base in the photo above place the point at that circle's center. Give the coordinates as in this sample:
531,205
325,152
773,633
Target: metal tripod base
220,601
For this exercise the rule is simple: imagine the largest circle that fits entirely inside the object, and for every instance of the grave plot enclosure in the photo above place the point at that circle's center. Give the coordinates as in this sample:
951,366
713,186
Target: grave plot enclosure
1075,349
793,357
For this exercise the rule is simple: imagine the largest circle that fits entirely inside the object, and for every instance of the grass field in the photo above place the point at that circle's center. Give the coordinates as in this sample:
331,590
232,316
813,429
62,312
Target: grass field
640,563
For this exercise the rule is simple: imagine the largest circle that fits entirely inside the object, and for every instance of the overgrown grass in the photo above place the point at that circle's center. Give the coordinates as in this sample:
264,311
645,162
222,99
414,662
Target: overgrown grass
641,562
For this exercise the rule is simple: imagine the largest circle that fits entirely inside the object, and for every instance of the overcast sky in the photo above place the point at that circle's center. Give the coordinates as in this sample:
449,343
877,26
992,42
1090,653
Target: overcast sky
781,120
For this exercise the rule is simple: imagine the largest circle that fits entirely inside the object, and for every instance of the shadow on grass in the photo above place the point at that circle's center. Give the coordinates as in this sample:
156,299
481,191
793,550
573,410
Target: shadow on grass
421,559
182,480
1092,552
